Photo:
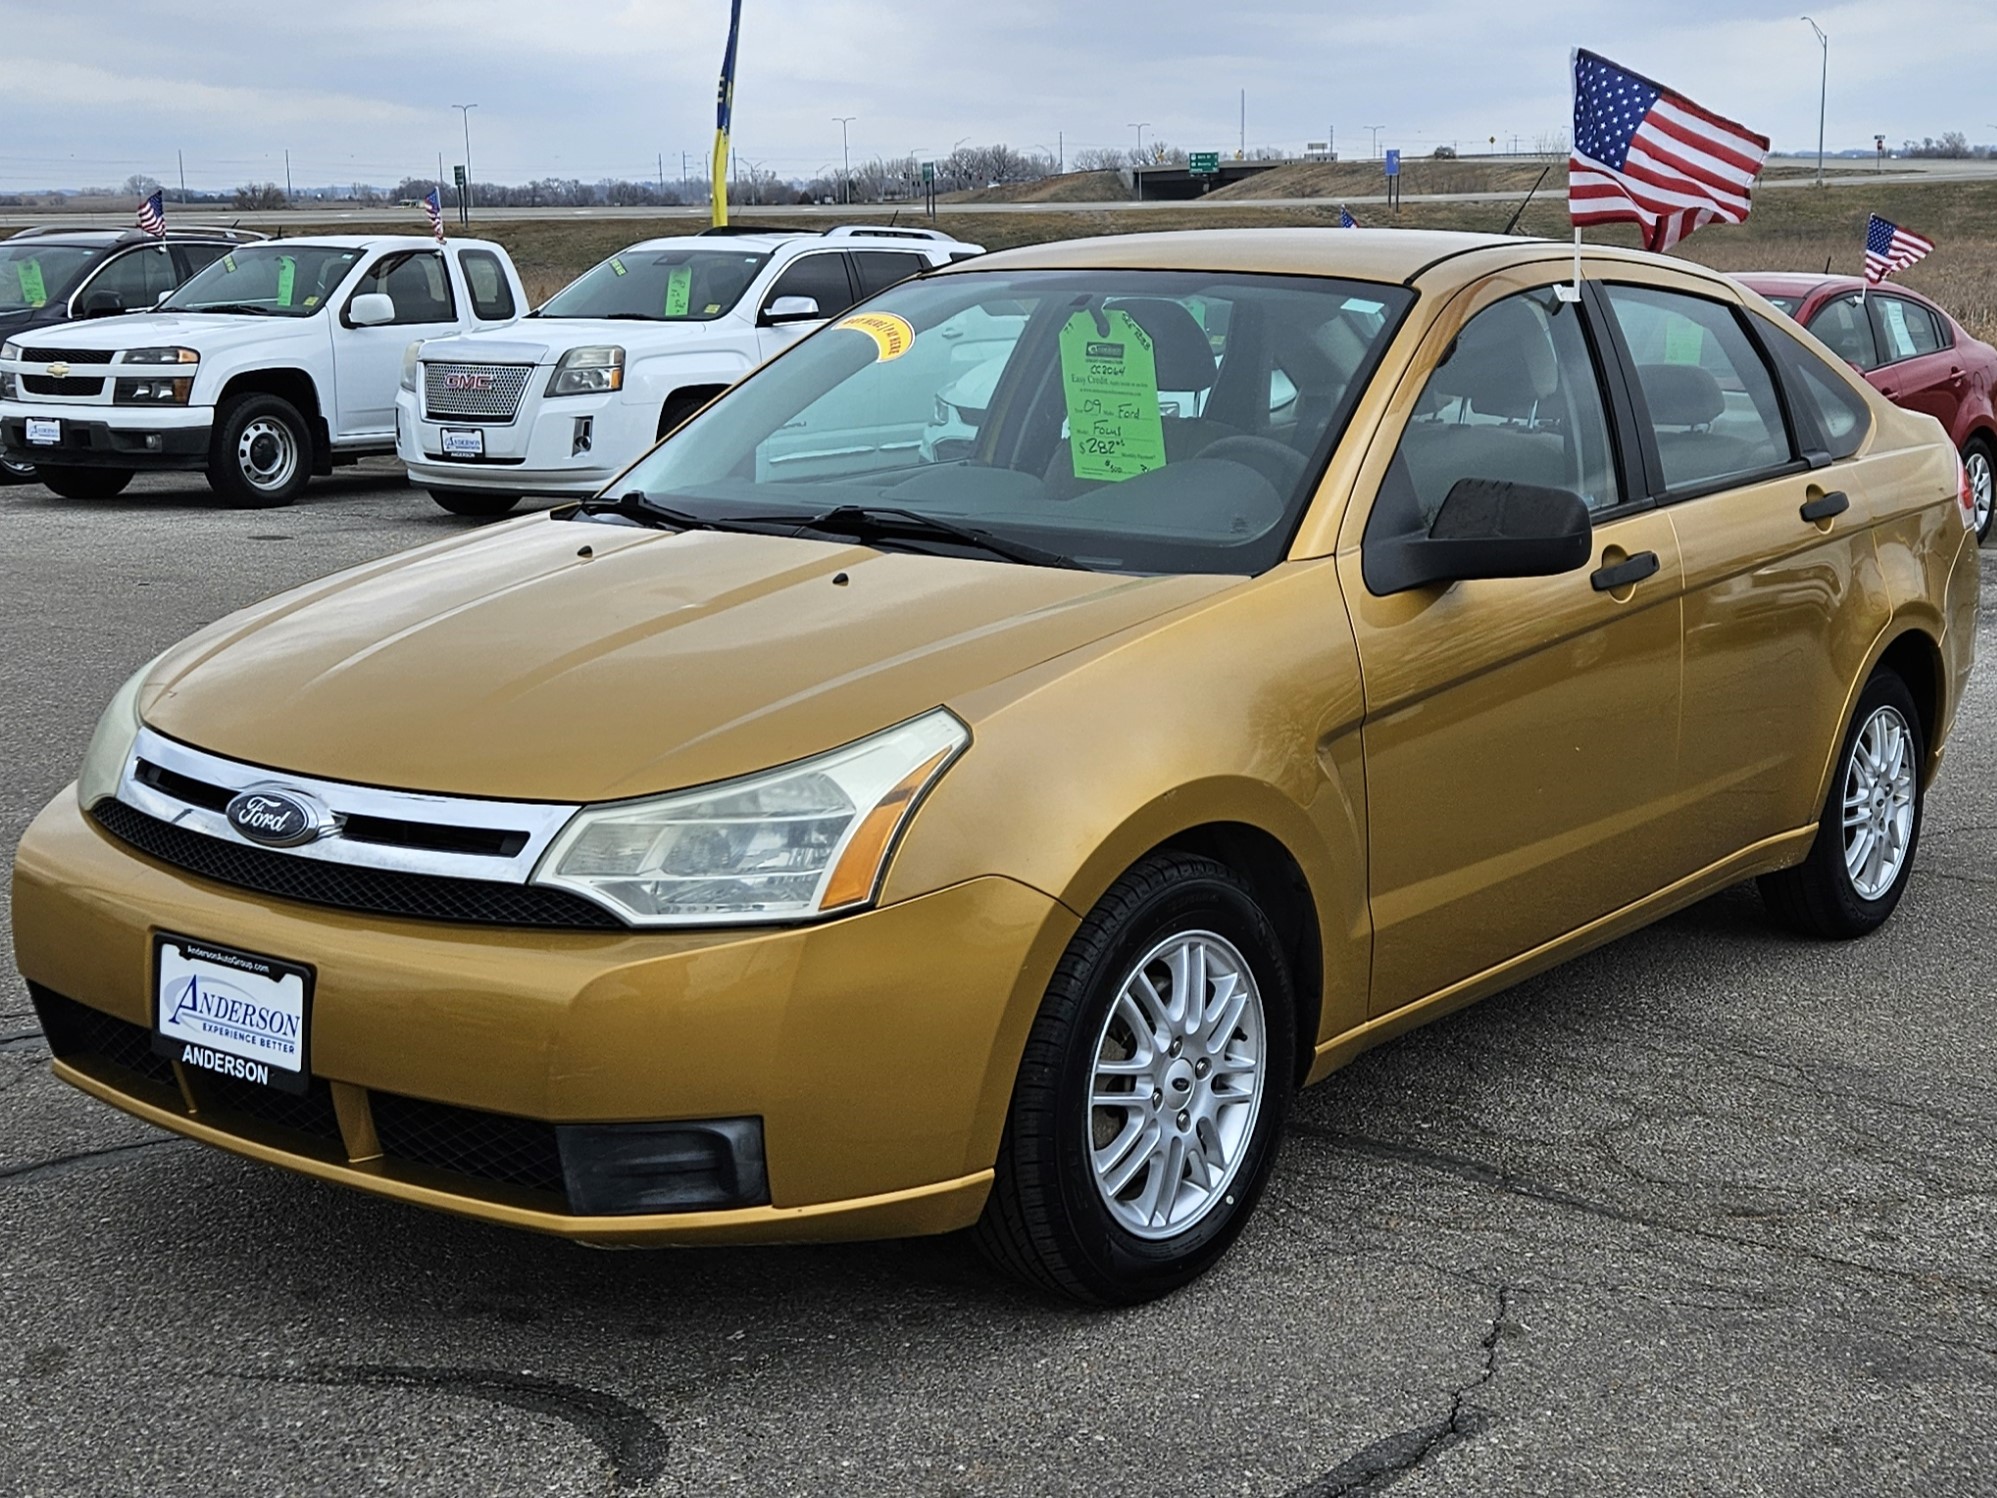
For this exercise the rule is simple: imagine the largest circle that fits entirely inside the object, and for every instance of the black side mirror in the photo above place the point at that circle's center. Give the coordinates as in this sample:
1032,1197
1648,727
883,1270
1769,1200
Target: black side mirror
102,304
1488,528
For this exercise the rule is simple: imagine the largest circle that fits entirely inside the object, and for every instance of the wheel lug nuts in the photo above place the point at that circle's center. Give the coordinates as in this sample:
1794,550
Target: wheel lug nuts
1184,1119
1201,1068
1177,1046
1157,1097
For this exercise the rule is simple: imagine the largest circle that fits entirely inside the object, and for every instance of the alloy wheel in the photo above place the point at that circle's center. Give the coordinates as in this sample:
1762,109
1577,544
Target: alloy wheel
1878,803
1981,484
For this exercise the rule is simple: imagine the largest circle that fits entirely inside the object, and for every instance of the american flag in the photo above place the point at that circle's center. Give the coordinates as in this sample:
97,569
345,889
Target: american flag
433,204
1645,155
1888,248
152,214
1345,218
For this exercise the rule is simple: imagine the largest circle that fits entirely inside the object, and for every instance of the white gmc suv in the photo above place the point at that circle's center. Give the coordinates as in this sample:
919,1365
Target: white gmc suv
566,399
276,362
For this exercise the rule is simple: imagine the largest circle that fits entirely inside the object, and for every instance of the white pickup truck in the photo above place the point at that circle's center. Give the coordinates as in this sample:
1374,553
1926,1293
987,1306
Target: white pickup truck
566,399
278,361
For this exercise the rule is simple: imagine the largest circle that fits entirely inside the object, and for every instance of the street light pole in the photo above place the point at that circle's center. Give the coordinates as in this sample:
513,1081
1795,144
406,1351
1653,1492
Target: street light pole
465,112
1137,161
1823,93
845,156
1373,147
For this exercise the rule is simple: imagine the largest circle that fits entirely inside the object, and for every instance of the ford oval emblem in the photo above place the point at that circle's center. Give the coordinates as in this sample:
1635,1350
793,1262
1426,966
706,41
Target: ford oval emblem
278,818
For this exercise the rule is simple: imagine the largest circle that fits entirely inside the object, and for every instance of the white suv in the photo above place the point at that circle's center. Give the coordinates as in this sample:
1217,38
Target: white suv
566,399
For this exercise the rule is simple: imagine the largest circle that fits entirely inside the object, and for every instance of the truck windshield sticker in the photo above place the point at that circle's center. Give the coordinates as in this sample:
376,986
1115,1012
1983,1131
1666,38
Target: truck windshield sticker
679,290
33,292
617,266
287,276
1109,375
893,336
229,264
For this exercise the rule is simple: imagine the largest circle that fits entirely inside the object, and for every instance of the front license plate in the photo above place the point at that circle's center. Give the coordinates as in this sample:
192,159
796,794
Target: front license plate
230,1012
464,444
43,433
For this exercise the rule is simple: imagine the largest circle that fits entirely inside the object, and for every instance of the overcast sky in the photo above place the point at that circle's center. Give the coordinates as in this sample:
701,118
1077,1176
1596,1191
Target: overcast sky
360,90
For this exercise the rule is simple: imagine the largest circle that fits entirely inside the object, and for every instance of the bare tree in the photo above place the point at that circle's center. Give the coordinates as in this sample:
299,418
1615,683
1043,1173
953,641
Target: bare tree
139,185
261,195
1098,159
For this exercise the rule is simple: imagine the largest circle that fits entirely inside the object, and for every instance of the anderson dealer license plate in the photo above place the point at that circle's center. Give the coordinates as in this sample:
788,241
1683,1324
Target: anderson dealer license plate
229,1012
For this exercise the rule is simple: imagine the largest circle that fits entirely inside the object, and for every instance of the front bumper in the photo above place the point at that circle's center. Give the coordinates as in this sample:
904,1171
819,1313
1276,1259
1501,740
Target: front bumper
101,436
567,447
878,1050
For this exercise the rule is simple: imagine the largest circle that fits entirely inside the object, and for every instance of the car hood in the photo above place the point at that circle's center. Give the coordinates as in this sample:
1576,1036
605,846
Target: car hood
547,660
208,332
544,340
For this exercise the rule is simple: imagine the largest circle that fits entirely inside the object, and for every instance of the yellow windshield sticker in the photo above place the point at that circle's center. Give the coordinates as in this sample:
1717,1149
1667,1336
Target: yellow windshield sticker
616,266
33,292
679,290
1109,374
712,307
287,277
892,335
312,301
1684,341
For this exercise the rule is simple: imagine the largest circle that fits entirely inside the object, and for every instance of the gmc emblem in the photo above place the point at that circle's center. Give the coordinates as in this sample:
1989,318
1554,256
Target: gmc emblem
468,382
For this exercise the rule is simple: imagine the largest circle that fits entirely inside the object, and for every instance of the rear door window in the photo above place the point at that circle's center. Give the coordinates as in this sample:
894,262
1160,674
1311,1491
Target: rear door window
880,269
491,292
1709,395
1905,329
1841,415
1845,329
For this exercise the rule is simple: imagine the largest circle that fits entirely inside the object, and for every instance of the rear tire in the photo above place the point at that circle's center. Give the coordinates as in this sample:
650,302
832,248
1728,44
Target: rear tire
474,502
261,454
1114,1202
84,483
1856,873
1980,464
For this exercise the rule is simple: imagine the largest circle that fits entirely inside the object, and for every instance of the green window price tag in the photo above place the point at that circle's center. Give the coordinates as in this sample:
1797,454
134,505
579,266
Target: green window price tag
1684,341
1109,376
679,290
287,273
33,292
616,266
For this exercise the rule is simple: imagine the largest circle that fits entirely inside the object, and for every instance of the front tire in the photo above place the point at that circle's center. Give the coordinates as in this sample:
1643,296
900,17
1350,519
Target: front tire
1871,823
16,471
261,453
474,502
84,483
1980,466
1151,1093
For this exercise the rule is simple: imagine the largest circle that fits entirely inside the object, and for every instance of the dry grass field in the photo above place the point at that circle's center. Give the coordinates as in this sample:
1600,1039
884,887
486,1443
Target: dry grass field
1794,228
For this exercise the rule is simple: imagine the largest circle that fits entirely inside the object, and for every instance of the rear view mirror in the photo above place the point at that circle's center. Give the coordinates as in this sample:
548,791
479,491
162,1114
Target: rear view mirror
102,304
791,309
1489,528
371,309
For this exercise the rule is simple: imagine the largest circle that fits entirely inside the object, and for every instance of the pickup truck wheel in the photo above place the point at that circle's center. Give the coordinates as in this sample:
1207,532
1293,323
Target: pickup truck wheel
84,483
261,454
474,502
16,471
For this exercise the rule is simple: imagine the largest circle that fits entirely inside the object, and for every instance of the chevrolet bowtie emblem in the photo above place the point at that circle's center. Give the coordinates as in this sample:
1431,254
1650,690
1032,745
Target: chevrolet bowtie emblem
59,371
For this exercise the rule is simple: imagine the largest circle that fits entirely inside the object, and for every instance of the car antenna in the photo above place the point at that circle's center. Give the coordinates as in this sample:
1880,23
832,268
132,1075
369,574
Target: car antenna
1519,213
1827,265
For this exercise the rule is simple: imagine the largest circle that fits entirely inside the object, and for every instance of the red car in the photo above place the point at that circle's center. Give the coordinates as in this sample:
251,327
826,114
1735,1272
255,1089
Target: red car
1911,351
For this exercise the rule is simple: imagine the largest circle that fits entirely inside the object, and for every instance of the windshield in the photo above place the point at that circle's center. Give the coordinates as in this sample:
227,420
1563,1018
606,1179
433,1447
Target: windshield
1788,304
659,286
34,275
270,280
1143,421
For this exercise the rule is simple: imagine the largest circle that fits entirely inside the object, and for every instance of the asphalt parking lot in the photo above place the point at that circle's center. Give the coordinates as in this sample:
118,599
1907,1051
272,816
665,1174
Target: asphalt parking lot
1711,1211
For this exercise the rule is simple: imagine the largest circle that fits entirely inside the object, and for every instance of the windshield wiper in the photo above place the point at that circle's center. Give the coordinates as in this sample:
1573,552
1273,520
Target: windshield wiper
635,504
247,308
884,522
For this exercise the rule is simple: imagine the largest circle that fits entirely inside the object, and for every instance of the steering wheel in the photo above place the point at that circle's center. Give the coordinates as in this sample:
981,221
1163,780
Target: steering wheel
1282,466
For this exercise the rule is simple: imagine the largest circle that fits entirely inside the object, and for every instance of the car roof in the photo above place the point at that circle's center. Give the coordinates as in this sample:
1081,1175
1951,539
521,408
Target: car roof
768,241
1404,256
107,238
1794,283
380,242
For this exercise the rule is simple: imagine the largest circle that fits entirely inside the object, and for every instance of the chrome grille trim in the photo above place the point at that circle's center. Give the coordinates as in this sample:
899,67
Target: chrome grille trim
498,402
539,821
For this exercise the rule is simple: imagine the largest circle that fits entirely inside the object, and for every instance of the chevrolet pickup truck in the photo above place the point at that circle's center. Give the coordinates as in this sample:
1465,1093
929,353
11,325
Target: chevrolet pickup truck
278,361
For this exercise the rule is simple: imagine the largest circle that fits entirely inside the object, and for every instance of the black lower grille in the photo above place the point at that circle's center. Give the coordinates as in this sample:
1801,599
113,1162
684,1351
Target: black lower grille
310,1114
464,1141
78,1032
44,385
424,897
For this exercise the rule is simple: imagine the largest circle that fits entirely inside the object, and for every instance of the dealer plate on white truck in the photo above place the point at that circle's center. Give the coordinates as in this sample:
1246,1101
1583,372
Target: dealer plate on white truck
459,444
233,1013
43,432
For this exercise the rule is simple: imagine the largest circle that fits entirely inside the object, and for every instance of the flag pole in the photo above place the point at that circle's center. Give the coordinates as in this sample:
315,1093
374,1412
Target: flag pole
724,111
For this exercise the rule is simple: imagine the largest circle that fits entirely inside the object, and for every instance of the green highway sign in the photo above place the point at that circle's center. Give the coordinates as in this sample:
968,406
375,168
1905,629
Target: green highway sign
1204,163
459,173
928,171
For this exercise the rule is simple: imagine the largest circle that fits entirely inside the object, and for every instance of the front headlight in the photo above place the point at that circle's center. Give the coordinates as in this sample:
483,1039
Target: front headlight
111,744
10,350
409,365
589,371
162,356
810,839
159,392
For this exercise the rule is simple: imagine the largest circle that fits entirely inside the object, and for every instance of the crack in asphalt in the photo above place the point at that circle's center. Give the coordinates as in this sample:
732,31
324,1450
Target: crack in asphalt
1374,1468
25,1040
1498,1179
80,1157
633,1443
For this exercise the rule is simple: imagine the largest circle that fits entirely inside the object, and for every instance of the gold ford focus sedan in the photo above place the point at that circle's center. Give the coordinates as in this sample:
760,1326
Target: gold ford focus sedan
971,773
